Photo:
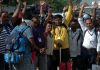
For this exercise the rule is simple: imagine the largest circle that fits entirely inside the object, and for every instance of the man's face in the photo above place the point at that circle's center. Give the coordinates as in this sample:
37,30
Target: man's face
74,25
4,17
35,21
58,21
89,23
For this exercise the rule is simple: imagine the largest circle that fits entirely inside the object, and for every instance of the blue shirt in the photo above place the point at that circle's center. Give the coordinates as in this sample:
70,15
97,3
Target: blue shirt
28,34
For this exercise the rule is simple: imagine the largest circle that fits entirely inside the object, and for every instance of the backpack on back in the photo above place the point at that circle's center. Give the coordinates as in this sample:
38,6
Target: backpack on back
16,46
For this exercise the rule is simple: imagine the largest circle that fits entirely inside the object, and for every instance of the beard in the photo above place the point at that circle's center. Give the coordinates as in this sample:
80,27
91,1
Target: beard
90,27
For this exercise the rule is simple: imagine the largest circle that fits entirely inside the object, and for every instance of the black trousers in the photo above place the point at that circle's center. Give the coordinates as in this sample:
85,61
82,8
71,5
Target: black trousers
3,65
76,63
88,57
64,58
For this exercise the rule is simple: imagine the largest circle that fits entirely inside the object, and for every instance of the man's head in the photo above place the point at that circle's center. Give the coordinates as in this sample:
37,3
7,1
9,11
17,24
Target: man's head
35,20
58,20
74,24
89,23
4,16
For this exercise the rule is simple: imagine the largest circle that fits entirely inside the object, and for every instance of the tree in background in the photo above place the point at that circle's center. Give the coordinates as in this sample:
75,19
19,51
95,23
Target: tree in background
57,5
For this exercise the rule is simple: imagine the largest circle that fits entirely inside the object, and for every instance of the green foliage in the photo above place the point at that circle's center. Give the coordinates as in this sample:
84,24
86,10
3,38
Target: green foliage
57,5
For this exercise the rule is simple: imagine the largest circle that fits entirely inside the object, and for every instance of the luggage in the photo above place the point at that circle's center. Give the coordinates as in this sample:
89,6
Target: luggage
62,64
69,65
33,56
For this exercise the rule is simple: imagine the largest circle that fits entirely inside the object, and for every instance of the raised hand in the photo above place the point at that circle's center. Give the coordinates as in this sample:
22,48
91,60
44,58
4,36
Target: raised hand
82,8
65,8
25,3
1,1
42,3
42,50
49,12
84,4
75,8
18,1
95,5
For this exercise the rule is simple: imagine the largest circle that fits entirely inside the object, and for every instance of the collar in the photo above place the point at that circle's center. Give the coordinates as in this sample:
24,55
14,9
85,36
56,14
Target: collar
91,31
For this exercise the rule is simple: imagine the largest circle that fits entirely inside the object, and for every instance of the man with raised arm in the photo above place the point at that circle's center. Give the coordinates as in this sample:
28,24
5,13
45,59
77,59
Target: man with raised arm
6,27
61,38
89,52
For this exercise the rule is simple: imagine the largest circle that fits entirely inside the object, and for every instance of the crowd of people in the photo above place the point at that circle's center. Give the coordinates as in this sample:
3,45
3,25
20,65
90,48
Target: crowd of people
50,41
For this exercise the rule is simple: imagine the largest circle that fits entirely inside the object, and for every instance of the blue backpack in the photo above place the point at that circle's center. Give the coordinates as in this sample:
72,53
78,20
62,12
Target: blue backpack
16,44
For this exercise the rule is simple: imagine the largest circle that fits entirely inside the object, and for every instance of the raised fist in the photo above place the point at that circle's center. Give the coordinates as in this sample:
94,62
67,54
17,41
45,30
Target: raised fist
25,3
18,1
1,1
95,5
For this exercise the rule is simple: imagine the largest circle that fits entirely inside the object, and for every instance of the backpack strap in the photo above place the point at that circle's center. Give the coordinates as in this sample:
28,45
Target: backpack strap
96,35
24,29
85,32
79,35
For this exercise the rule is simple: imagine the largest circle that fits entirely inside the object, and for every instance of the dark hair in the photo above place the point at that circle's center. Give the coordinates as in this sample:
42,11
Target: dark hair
74,20
76,14
18,21
49,22
35,16
87,19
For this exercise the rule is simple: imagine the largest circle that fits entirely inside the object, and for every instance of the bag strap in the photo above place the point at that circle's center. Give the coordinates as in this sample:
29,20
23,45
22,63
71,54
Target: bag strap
79,36
96,35
24,29
85,32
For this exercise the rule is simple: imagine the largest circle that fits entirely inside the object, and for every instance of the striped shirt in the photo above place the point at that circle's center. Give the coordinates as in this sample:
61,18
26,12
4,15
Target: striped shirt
3,35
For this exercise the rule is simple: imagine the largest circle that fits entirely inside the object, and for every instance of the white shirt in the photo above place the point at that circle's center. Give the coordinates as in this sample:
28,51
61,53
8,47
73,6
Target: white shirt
90,40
